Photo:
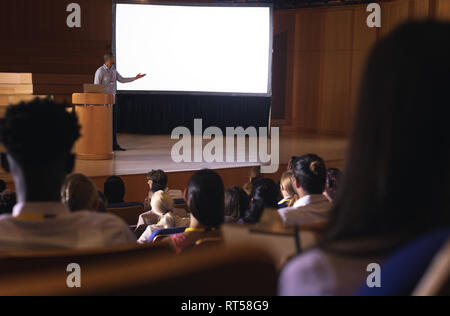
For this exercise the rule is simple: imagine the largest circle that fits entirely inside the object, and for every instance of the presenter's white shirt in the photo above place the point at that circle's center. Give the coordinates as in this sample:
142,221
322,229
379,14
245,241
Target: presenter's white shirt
309,210
108,78
51,226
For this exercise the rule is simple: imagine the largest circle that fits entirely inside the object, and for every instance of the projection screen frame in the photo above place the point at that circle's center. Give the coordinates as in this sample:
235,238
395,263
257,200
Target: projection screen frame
197,4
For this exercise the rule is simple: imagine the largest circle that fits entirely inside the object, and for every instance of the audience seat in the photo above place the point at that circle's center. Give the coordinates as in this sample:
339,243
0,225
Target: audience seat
12,262
130,214
166,232
283,242
402,272
206,272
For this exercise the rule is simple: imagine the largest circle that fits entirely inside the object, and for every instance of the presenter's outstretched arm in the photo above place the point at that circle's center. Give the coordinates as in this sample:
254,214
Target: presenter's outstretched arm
125,80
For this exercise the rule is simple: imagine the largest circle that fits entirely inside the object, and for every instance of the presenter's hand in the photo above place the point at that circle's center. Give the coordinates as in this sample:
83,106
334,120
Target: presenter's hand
139,76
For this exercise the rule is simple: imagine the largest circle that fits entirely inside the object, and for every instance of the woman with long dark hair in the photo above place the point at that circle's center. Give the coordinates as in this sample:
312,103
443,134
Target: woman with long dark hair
205,199
264,194
395,186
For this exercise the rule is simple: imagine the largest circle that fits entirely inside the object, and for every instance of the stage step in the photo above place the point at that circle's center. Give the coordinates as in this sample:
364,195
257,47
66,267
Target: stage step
15,78
16,88
7,88
9,99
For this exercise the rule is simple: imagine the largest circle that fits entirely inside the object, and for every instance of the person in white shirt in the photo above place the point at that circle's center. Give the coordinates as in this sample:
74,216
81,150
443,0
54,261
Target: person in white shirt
167,217
38,137
312,207
107,76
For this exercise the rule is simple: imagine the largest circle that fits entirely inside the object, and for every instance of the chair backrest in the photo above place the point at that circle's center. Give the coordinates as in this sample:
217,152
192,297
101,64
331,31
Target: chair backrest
436,281
206,272
130,214
18,261
166,232
270,233
402,272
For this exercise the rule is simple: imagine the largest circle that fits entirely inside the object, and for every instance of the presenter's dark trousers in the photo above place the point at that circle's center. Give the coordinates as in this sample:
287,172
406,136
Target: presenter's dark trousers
115,114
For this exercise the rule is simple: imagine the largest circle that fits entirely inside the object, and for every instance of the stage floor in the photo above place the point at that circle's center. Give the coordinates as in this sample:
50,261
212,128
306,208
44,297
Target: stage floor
154,152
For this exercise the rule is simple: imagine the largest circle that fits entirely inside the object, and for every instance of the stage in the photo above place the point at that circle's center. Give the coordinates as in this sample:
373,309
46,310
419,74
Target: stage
154,152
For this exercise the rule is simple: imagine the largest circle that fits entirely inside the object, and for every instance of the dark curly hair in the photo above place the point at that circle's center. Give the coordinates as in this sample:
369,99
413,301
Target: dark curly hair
236,203
265,194
39,131
159,179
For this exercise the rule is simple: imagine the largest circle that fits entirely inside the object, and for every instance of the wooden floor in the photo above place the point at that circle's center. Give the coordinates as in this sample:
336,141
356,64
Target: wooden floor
154,152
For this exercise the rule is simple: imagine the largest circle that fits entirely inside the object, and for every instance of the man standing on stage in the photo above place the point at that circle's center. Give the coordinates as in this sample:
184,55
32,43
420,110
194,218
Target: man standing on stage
107,75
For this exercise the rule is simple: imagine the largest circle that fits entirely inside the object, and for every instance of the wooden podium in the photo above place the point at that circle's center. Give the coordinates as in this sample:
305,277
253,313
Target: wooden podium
95,115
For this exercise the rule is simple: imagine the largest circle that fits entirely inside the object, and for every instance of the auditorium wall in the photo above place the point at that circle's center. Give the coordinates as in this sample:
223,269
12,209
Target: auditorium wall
318,53
325,55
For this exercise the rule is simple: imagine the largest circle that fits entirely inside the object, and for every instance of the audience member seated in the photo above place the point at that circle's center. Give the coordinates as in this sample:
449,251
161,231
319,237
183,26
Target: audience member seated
287,190
334,178
165,216
79,193
39,162
156,180
265,194
254,174
290,163
309,179
205,200
8,200
396,186
236,204
114,190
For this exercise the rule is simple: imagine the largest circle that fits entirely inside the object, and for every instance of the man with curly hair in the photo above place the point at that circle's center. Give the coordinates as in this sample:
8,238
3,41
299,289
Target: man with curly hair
38,137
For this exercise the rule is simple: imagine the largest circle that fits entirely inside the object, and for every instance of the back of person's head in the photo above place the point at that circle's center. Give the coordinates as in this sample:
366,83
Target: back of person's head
79,193
291,163
310,173
2,185
7,201
159,180
334,177
205,198
396,179
107,56
161,202
286,183
255,173
265,194
38,137
236,203
114,189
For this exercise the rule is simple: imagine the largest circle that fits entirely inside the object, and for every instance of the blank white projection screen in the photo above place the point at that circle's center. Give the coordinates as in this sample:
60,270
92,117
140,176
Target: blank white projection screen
194,48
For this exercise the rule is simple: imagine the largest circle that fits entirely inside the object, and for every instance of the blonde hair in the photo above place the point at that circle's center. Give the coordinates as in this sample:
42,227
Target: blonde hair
79,193
161,202
286,182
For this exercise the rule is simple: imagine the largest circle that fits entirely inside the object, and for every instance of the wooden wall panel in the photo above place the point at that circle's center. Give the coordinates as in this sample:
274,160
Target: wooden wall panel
306,90
335,74
443,9
393,14
364,39
331,48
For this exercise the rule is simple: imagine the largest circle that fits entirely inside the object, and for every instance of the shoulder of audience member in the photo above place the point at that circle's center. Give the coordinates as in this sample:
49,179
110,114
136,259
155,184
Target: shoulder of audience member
102,219
310,274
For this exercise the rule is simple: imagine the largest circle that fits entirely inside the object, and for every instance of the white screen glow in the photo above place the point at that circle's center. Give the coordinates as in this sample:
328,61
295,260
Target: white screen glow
194,48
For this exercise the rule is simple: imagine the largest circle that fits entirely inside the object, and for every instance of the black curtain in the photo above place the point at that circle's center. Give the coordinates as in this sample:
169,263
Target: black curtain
160,114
